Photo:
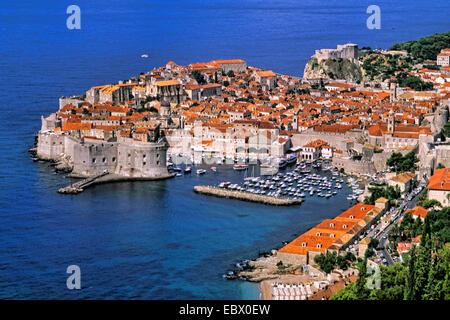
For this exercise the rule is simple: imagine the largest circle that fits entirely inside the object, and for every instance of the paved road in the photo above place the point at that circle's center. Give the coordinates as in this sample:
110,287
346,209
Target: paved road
396,215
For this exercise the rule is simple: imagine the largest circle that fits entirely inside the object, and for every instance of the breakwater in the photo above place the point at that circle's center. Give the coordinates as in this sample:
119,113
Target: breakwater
246,196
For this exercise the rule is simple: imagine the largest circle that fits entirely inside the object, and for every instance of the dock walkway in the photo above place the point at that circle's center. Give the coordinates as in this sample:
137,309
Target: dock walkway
81,185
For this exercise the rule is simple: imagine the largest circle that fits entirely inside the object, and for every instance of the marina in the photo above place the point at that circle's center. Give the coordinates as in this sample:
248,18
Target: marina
296,182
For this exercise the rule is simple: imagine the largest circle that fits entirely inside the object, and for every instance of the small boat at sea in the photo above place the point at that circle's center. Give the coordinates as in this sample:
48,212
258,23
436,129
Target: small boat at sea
240,167
187,170
144,56
201,171
214,169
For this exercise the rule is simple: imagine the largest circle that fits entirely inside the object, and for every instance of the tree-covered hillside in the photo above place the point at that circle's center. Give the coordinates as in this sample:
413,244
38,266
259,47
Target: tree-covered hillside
425,48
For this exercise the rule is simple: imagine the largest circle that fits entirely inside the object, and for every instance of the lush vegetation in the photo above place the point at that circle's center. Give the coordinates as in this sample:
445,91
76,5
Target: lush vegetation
431,203
446,129
406,80
371,248
408,229
431,66
385,191
402,163
438,220
425,48
230,74
384,66
440,224
426,275
330,260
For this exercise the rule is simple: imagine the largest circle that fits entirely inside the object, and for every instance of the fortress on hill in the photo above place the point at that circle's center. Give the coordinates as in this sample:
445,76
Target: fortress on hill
344,51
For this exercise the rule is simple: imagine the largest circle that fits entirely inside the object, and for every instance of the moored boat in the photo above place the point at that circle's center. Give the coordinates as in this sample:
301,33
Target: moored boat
240,167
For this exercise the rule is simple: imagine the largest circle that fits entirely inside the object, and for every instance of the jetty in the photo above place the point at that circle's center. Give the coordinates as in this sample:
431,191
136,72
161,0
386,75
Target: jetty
246,196
106,177
81,185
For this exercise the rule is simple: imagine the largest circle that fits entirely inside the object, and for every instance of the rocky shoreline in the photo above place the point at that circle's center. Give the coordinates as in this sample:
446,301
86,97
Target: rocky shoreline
61,162
246,196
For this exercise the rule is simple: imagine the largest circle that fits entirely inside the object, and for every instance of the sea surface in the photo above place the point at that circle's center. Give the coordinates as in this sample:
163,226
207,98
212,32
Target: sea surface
154,240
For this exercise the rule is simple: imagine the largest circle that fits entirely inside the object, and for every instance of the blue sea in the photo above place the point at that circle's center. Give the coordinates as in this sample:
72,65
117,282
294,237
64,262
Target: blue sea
154,240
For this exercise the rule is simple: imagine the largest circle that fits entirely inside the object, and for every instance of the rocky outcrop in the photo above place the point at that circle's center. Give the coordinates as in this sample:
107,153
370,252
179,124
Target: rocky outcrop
332,69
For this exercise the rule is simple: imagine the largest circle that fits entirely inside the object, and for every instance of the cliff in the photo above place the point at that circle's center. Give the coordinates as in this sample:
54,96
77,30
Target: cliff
332,69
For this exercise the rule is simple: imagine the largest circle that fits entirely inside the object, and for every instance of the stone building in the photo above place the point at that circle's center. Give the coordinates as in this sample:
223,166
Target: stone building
331,235
267,79
439,186
232,64
345,51
443,59
172,90
117,93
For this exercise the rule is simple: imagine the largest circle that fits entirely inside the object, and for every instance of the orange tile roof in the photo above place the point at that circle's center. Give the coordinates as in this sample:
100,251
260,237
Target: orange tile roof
228,61
76,126
440,180
418,212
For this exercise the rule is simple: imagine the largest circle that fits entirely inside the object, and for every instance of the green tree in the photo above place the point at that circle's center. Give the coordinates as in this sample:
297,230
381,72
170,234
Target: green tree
348,293
198,76
403,163
361,291
326,261
410,277
423,263
431,203
438,286
392,283
440,166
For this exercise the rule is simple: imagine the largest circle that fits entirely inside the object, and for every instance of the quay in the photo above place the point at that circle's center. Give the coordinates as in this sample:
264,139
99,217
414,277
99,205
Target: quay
246,196
105,177
81,185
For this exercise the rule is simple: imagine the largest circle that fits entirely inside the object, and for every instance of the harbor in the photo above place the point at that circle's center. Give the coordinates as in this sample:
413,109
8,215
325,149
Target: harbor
291,183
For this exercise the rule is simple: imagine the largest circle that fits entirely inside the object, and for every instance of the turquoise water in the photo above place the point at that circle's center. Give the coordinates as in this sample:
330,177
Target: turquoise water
153,240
